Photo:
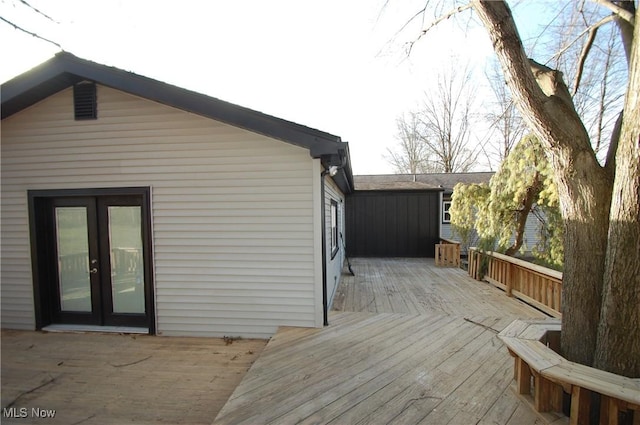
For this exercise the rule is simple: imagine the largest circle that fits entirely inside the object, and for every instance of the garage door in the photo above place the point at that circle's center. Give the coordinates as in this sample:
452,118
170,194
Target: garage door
392,223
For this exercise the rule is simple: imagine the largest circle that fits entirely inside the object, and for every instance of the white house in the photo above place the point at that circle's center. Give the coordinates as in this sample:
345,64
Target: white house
131,204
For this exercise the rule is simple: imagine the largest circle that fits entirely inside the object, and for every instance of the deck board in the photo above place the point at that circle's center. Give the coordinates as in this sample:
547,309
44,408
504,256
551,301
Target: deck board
407,343
416,286
93,378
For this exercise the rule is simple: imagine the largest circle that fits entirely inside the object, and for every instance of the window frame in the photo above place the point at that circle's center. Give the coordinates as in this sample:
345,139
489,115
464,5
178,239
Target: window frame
446,208
333,227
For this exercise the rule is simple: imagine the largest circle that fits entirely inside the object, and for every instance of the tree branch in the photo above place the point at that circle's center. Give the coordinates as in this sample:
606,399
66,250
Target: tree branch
29,391
595,26
131,363
522,214
443,17
31,33
406,24
489,328
627,28
446,16
610,162
617,10
540,93
583,58
551,82
506,41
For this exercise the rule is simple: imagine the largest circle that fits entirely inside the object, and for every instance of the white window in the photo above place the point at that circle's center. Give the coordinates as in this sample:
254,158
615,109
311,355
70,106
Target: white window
334,228
446,215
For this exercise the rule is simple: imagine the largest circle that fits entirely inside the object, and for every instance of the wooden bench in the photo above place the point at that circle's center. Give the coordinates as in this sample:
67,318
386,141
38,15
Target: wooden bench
542,373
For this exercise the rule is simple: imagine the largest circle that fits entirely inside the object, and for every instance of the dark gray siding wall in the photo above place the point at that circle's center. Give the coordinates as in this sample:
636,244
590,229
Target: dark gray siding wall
392,223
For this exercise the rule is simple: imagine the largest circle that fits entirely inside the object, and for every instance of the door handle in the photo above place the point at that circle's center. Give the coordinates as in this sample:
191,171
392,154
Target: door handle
93,270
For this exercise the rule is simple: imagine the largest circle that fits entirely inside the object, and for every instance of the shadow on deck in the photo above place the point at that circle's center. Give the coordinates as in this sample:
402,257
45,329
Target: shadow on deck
410,344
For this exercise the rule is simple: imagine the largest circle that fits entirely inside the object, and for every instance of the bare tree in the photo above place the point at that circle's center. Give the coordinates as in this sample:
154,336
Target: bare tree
599,203
503,116
436,137
411,155
447,119
595,70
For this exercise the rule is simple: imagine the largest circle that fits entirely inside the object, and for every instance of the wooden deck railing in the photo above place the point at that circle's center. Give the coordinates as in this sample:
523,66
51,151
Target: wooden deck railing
448,253
536,285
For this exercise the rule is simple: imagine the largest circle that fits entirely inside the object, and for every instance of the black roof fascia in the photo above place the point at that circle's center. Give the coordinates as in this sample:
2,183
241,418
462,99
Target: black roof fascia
65,69
344,176
346,173
383,191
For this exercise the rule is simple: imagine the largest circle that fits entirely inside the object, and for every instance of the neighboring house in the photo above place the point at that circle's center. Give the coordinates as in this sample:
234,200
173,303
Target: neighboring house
406,214
131,204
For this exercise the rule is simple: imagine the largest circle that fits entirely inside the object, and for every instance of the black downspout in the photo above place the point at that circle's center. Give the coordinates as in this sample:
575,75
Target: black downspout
324,249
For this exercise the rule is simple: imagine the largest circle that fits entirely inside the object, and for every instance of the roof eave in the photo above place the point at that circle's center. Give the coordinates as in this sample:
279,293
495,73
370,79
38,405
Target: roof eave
340,158
65,69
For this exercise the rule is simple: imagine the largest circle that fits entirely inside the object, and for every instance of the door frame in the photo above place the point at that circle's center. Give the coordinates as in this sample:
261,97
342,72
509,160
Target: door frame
92,317
39,203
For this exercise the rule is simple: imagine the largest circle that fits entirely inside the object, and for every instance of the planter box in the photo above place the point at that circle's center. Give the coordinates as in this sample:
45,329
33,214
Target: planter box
542,373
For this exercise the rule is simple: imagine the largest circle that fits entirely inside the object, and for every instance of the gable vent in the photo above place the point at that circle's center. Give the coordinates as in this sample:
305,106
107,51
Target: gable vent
85,103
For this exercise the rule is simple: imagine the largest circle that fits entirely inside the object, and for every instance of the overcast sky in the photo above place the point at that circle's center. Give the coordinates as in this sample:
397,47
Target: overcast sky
334,65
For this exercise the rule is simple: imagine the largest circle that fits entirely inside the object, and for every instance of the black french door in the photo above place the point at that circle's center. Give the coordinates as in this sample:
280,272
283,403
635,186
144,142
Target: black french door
96,264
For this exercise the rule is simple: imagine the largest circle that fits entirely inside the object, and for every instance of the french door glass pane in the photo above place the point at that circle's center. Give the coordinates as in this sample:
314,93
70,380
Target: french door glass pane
127,272
73,259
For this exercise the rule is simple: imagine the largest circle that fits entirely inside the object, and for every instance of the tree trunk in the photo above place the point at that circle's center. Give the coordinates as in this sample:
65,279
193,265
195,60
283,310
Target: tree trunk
586,218
530,197
618,347
584,187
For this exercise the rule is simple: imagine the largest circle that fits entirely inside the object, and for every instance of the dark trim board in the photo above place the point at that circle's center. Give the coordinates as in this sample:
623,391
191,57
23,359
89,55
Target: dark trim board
40,203
65,70
392,223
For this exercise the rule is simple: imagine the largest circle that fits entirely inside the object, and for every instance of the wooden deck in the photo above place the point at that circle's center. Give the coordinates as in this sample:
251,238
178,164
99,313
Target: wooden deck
116,379
416,286
413,344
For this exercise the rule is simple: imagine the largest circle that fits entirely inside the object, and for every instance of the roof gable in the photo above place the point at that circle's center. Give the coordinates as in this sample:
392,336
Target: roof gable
64,70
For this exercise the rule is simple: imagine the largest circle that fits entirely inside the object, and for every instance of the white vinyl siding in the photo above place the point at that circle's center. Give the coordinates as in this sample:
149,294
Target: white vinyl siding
334,265
232,211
